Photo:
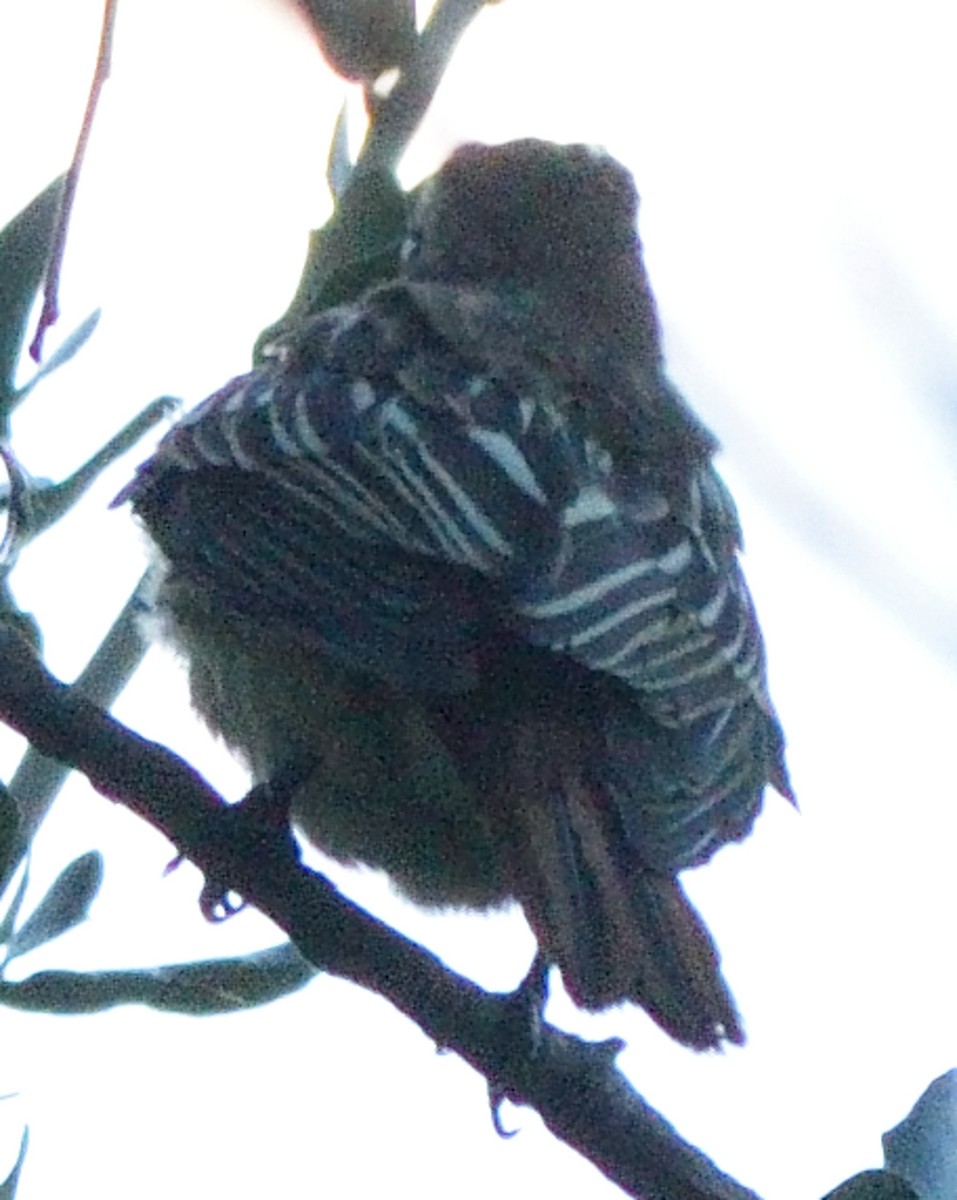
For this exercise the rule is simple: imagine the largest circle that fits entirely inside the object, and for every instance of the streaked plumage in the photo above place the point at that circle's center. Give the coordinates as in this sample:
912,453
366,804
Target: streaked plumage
463,540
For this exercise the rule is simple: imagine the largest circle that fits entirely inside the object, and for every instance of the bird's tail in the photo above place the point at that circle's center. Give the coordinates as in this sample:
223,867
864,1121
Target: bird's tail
619,931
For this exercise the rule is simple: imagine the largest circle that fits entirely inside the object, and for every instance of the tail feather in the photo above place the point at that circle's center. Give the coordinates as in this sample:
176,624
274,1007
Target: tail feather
618,930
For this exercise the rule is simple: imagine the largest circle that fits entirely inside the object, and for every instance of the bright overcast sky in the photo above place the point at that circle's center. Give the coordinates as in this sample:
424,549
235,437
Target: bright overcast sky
798,188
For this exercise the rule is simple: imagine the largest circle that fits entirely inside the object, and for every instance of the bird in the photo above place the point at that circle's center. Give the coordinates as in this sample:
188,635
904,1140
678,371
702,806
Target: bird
459,545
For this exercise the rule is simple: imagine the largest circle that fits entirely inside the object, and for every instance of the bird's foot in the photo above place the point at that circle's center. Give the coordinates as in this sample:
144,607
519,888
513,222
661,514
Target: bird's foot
257,827
522,1026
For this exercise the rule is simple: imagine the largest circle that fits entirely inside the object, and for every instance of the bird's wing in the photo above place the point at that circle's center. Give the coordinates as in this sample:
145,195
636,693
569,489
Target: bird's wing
371,488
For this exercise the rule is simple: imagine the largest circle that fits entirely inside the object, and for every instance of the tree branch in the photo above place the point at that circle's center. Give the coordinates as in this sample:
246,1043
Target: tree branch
574,1085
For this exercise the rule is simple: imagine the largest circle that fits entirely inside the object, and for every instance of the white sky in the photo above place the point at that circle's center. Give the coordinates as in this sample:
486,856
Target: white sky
798,190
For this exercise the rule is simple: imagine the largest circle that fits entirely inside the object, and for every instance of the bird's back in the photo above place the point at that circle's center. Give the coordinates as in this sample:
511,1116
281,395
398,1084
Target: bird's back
491,583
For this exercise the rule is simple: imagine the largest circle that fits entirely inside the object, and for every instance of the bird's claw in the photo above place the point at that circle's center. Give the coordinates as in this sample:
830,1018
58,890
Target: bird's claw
217,903
258,825
522,1026
497,1095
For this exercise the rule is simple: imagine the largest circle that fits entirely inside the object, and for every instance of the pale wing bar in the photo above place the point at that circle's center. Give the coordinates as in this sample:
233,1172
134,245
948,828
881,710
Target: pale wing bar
643,598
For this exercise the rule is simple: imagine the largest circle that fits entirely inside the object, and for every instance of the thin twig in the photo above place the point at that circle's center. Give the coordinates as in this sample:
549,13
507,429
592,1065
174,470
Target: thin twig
399,116
51,287
38,778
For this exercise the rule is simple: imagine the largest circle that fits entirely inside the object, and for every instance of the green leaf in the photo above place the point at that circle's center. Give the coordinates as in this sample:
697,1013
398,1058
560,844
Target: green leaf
64,906
8,1189
16,903
24,249
230,985
358,247
9,831
195,989
24,623
339,168
361,39
923,1148
45,503
873,1185
62,354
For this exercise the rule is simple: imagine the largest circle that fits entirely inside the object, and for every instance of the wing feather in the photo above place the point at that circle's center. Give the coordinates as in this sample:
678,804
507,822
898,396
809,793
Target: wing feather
473,503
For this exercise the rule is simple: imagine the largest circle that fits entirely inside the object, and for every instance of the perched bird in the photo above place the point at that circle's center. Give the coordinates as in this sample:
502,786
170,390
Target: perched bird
460,546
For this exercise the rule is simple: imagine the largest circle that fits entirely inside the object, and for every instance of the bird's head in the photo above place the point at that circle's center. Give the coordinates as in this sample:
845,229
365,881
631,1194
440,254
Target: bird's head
528,213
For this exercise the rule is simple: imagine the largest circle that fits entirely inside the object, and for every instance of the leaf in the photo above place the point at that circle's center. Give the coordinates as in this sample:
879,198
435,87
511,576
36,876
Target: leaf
8,1189
339,167
64,906
230,985
24,249
923,1148
873,1185
10,916
62,354
24,623
195,989
9,829
358,247
45,503
363,38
